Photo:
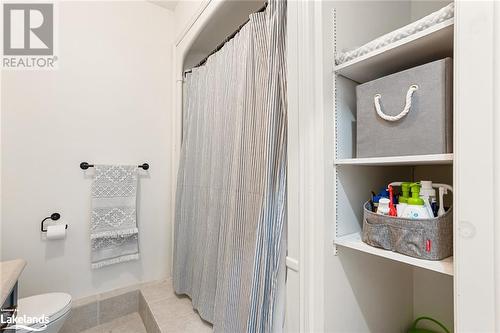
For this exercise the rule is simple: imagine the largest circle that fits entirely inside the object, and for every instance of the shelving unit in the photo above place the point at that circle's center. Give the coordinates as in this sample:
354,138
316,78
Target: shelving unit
428,45
350,286
398,277
353,241
433,43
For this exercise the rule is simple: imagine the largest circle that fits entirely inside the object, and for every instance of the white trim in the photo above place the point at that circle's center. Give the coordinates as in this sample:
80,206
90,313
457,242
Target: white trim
306,161
474,281
496,108
320,171
295,284
293,264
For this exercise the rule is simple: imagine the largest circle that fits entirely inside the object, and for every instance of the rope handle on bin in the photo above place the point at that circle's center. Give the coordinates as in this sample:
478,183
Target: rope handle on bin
406,109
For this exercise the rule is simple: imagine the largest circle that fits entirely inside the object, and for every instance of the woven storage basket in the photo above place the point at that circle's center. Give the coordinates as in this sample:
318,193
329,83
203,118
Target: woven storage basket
430,239
415,112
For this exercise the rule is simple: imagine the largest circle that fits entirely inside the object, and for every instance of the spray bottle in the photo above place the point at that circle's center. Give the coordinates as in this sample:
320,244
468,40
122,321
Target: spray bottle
442,192
428,194
392,207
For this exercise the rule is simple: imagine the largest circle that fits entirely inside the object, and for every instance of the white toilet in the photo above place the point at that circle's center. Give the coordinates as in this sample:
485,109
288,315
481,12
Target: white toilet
55,306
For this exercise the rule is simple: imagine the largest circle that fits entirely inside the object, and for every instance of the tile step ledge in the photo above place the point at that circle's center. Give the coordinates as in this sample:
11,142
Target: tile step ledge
159,308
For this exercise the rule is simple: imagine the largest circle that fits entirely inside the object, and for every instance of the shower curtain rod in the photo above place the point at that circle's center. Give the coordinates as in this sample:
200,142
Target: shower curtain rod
227,39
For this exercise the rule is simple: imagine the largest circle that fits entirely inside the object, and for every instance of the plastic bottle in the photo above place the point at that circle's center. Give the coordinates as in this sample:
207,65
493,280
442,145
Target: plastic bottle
383,206
376,197
442,192
435,207
426,189
416,207
403,198
427,193
392,207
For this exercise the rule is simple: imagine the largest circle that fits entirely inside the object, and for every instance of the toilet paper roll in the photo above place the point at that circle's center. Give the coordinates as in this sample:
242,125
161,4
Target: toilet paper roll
56,231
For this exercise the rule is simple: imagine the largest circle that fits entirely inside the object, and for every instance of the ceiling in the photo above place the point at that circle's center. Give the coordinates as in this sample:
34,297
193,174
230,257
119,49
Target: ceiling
169,4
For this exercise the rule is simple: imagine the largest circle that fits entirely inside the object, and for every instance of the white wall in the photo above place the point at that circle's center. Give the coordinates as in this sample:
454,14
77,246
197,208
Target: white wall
421,8
350,33
109,102
185,14
433,296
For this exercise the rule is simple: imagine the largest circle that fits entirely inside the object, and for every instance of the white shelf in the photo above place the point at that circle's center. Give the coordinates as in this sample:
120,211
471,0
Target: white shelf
353,241
431,44
434,159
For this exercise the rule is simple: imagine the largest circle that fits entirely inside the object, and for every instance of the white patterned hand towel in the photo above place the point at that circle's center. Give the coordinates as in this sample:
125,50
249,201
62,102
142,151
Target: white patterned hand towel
114,233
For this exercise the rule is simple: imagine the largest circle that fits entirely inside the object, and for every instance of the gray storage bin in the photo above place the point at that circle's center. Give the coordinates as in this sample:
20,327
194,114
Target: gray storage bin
427,126
430,239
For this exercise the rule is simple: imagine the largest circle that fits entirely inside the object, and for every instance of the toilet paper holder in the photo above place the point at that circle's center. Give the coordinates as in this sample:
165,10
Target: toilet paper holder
53,217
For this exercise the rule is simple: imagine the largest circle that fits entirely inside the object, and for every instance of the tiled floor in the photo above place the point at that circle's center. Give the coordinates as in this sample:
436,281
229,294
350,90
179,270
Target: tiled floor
159,309
171,312
131,323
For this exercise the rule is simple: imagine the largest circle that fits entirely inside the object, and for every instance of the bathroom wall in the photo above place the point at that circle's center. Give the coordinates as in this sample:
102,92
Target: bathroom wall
108,102
186,13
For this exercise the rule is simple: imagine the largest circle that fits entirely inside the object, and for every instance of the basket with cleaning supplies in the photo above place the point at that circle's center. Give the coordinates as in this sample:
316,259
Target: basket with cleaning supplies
414,224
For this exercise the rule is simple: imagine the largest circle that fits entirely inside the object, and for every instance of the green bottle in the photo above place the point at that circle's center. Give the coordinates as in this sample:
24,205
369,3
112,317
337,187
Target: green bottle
415,199
405,188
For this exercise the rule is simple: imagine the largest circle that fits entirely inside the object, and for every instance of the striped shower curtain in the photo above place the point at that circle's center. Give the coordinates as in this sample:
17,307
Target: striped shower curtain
230,219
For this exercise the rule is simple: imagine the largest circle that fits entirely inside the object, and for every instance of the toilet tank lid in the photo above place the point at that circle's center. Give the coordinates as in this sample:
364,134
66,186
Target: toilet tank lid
52,305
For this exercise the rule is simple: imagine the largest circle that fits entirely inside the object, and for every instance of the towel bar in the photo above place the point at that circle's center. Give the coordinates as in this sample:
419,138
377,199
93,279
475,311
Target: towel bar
85,166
